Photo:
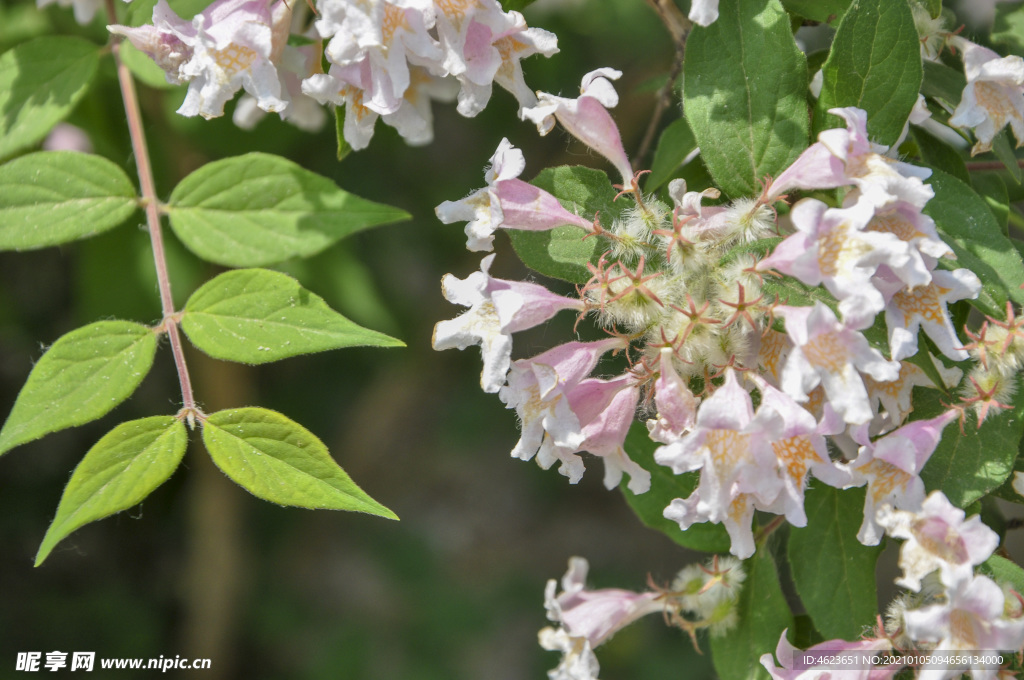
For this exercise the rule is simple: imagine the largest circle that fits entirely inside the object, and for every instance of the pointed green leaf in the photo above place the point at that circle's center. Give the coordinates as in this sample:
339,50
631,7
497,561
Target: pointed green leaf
967,466
674,145
124,467
992,189
82,377
53,197
278,460
258,209
833,573
256,316
562,252
344,148
763,615
40,82
939,154
875,65
666,486
1004,151
943,83
745,94
965,222
825,11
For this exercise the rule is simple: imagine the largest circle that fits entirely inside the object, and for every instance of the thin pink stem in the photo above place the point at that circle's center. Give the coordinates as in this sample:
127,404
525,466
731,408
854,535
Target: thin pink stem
156,238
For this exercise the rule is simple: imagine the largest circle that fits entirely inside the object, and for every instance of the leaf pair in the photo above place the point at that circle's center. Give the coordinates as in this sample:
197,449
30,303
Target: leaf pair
266,453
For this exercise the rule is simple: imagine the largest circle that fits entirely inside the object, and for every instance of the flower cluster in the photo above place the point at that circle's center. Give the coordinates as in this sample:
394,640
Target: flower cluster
693,299
388,59
950,617
702,597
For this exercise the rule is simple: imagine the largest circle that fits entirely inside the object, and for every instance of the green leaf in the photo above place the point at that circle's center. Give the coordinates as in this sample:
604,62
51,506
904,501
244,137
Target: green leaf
124,467
1008,28
1002,570
278,460
40,82
763,615
82,377
938,154
967,466
992,189
666,486
745,94
256,316
833,573
943,83
965,222
53,197
875,65
1004,152
258,209
562,252
674,145
825,11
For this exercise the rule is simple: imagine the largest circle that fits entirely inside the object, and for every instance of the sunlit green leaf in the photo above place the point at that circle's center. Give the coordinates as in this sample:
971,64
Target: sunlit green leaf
53,197
82,377
833,573
967,225
966,466
278,460
745,94
1002,570
763,615
40,82
123,467
674,145
258,209
257,316
875,65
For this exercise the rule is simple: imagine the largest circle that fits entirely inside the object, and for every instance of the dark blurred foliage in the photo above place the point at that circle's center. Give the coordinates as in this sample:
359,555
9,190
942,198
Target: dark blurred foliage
201,568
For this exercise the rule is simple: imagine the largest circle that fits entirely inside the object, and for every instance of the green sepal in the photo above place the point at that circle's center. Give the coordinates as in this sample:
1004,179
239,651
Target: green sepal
745,94
82,377
259,209
278,460
256,316
121,469
41,81
53,197
833,573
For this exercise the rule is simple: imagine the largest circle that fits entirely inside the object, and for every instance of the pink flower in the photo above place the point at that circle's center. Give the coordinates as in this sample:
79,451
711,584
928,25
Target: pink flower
937,537
843,157
506,202
538,390
970,621
792,667
497,308
677,406
834,354
832,247
993,97
229,46
891,467
586,118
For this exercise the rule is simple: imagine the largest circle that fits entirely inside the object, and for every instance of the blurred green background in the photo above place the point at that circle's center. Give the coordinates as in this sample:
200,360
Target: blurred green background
203,569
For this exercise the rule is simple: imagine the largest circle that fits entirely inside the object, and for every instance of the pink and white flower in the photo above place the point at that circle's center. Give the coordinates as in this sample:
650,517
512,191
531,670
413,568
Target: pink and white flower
971,620
993,97
791,667
586,118
891,467
832,353
227,47
497,308
937,537
506,202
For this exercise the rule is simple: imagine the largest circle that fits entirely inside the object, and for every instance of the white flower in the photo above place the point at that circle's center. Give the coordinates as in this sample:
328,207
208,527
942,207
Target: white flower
993,97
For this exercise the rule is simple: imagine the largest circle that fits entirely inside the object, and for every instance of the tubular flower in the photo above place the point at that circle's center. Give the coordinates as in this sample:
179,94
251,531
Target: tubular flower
993,97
